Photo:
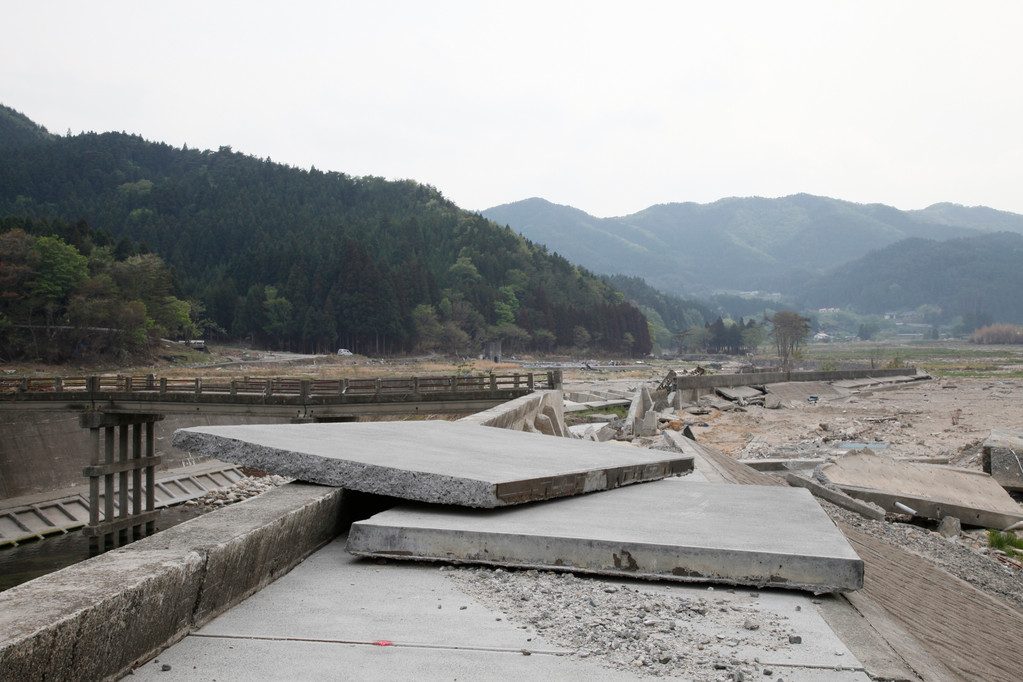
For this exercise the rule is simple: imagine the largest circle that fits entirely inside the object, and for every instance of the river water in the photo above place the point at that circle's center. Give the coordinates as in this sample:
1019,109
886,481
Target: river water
33,559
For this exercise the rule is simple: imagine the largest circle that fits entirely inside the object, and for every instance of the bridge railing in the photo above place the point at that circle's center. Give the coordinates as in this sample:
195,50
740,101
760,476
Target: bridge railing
279,386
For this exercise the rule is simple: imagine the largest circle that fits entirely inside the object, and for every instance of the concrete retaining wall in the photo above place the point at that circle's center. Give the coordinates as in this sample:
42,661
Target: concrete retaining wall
100,618
43,450
542,411
691,387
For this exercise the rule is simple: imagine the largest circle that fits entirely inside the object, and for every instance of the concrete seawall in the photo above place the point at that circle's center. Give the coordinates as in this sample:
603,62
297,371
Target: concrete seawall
692,387
542,412
101,618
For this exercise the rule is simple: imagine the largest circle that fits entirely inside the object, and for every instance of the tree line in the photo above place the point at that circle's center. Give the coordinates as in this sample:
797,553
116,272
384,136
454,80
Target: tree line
71,293
296,259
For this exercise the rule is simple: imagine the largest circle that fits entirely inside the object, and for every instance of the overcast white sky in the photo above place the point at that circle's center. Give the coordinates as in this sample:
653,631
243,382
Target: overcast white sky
606,106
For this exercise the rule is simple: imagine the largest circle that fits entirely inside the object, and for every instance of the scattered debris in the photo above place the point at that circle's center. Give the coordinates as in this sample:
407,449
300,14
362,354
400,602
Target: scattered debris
929,491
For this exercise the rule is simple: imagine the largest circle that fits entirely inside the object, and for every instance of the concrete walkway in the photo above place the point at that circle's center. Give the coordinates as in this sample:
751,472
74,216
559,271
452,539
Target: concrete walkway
336,617
339,617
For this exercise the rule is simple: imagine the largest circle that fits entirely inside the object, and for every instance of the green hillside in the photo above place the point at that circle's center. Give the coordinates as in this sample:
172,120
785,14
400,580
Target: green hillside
312,260
965,276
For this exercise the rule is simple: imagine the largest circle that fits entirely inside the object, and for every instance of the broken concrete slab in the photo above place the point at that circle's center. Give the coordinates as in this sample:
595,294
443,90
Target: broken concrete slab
865,509
666,530
929,491
1003,457
739,393
433,461
798,393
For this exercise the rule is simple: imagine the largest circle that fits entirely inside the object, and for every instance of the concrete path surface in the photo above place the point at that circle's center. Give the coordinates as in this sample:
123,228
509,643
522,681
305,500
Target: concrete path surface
337,617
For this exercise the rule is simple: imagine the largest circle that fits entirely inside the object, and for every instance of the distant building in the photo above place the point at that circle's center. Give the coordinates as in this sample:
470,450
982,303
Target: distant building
492,351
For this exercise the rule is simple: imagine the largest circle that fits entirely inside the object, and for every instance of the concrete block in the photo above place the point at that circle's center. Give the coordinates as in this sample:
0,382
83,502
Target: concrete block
434,461
99,618
671,530
516,414
544,425
1003,457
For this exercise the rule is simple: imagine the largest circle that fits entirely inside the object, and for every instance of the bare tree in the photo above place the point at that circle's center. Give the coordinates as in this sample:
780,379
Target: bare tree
789,332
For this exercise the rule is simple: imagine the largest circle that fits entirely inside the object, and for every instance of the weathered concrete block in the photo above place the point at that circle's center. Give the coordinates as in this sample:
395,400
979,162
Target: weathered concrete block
520,414
97,619
543,424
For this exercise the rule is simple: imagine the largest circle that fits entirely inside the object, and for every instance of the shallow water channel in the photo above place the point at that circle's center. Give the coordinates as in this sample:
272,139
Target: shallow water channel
33,559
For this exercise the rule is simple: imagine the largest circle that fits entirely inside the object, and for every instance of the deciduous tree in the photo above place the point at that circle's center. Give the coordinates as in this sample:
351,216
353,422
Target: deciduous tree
789,332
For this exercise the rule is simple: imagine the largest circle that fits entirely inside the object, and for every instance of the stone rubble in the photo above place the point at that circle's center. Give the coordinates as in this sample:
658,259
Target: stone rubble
250,486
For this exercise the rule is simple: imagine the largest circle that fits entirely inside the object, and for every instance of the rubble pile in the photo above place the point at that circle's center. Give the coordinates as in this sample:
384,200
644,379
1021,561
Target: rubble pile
250,486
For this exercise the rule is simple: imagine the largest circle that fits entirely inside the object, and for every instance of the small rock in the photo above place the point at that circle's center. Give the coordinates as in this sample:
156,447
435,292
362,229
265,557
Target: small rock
950,527
165,667
795,639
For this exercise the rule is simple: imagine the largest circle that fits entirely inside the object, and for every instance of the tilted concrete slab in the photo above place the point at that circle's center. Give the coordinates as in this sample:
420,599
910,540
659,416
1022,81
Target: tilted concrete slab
434,461
1003,457
673,530
793,393
736,393
930,491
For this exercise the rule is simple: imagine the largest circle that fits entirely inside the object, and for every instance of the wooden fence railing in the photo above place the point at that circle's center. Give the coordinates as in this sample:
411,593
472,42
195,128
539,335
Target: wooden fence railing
150,384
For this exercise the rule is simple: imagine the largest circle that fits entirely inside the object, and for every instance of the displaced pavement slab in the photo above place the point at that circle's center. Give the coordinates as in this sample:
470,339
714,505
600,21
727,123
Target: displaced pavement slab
337,617
672,530
737,393
1003,457
931,491
433,461
798,393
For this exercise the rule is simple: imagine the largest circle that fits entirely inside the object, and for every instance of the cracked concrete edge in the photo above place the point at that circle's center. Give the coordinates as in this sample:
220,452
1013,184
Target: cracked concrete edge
100,618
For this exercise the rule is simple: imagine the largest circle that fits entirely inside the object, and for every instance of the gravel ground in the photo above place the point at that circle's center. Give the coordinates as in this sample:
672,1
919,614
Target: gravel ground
643,630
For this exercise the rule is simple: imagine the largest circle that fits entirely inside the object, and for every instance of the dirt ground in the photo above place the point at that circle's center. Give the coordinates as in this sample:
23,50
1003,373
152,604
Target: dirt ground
931,418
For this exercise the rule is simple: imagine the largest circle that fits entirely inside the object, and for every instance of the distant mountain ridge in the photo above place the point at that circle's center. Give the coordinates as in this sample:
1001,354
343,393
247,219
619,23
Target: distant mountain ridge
978,274
738,243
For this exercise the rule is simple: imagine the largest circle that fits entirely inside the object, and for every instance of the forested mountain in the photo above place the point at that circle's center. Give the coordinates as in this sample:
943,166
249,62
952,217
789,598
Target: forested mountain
17,130
731,244
972,275
309,260
975,217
